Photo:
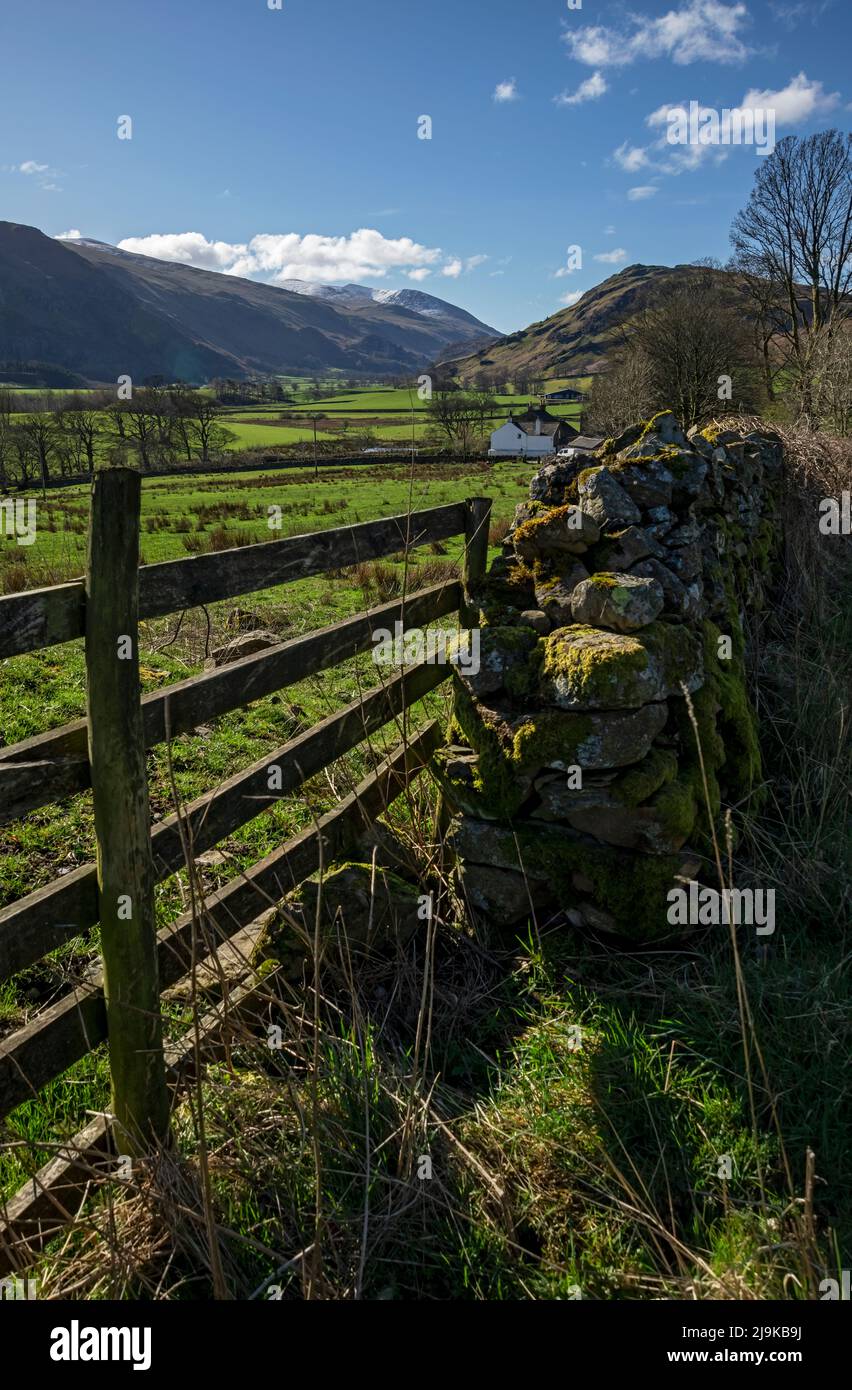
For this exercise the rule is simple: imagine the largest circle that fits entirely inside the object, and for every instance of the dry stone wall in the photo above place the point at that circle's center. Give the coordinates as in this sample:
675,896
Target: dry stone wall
611,648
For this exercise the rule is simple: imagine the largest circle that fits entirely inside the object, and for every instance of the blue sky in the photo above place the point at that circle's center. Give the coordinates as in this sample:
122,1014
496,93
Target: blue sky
287,140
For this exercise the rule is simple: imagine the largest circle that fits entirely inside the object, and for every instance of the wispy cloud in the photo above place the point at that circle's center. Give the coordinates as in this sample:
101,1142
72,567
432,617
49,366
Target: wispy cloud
700,31
630,157
612,257
593,87
793,14
506,91
643,191
44,176
571,297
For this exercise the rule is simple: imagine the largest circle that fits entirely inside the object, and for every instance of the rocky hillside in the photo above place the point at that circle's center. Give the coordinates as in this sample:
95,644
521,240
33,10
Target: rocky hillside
102,312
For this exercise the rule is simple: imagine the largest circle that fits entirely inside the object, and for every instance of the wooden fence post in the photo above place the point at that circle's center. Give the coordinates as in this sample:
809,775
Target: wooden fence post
477,527
475,557
140,1099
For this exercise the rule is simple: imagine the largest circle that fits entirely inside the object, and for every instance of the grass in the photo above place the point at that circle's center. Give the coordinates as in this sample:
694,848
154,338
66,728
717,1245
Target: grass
577,1105
176,511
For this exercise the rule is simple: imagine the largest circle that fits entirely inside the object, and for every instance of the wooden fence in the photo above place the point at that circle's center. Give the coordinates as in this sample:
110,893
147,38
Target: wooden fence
106,751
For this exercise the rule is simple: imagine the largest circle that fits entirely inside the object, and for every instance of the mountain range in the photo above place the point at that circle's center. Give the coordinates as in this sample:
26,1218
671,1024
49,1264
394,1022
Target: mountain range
103,312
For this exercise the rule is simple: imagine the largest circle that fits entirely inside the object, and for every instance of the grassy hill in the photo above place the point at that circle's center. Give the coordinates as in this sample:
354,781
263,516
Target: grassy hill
577,341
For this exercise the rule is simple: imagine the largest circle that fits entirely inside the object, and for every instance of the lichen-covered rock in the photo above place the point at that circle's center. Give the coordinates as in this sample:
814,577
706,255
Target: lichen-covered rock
689,471
605,500
246,644
508,660
649,481
513,743
660,825
553,595
660,518
458,772
550,482
685,560
360,909
503,896
621,549
630,887
584,668
555,534
674,592
537,619
623,602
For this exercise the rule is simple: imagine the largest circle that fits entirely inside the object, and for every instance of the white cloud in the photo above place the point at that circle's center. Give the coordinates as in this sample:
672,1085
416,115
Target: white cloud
645,190
455,265
363,255
571,297
73,235
796,102
609,231
29,166
700,31
506,91
630,157
792,105
593,87
612,257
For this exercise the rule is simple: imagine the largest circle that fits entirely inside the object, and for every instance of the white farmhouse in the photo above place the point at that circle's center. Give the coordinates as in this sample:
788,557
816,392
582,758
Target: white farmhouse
534,434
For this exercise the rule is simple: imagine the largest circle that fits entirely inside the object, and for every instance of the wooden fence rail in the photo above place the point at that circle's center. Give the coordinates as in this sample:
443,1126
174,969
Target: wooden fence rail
44,617
106,751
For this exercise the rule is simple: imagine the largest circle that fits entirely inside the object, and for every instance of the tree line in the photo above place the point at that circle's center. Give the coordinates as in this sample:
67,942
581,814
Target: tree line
159,425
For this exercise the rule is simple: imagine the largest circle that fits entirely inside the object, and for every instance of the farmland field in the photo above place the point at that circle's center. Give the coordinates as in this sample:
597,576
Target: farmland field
387,415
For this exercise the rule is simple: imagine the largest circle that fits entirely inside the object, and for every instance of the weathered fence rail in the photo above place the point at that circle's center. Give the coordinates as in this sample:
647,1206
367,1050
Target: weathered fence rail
44,617
106,751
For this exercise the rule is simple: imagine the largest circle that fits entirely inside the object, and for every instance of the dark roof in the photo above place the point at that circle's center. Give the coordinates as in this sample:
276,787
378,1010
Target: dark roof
536,412
528,426
587,442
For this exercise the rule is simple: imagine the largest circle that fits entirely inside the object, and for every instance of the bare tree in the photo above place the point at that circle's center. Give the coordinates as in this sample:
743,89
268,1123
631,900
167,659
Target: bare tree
832,379
83,426
795,234
205,431
40,430
698,349
621,396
